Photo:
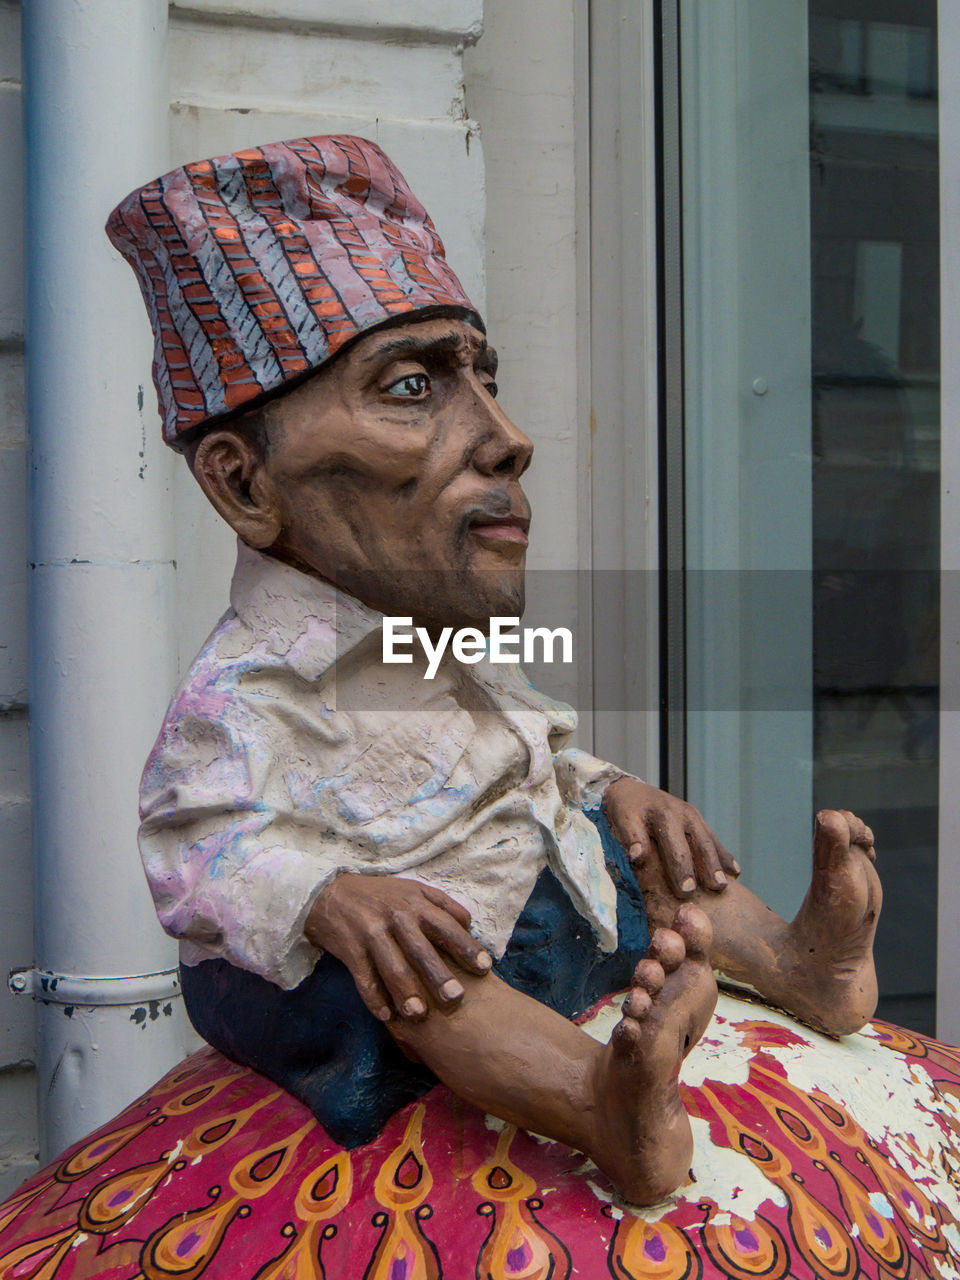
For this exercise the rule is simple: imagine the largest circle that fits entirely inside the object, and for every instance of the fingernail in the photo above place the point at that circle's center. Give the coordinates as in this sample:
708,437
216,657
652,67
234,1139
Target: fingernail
384,1014
484,960
451,989
688,885
414,1007
736,866
719,877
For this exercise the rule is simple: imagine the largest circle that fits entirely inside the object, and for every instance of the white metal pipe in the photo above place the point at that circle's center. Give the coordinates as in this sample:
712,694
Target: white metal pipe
102,573
948,898
144,989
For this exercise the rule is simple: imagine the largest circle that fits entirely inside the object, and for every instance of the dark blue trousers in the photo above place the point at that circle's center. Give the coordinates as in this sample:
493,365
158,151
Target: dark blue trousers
320,1042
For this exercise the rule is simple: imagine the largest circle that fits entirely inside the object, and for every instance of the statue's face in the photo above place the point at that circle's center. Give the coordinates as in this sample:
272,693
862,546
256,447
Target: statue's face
398,476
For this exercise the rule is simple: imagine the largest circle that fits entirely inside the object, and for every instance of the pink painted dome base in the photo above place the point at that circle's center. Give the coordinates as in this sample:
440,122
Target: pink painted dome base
813,1158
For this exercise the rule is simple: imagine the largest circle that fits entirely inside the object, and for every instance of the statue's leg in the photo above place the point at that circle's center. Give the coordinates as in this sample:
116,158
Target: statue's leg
819,966
619,1103
318,1041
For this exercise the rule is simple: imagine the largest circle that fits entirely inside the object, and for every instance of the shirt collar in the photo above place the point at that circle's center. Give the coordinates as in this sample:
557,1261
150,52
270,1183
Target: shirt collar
310,624
303,619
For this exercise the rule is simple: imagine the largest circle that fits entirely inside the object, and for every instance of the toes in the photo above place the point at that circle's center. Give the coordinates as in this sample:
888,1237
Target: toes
694,927
831,837
649,976
629,1038
836,831
860,834
668,948
637,1004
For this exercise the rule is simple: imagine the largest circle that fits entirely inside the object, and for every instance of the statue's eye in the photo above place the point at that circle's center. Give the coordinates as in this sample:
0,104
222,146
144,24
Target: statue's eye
413,386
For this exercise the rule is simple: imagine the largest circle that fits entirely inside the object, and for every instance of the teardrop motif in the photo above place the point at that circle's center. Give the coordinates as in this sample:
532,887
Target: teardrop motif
642,1250
402,1185
745,1249
258,1173
99,1150
38,1259
404,1181
114,1202
184,1245
517,1247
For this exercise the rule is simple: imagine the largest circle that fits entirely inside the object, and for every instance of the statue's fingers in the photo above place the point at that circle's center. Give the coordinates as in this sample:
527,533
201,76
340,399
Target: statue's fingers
463,947
628,820
675,854
372,991
638,847
445,990
706,855
648,869
729,863
398,976
450,905
702,836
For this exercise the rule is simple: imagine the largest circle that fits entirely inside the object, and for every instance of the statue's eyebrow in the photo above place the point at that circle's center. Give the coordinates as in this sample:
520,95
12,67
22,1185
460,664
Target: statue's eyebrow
435,347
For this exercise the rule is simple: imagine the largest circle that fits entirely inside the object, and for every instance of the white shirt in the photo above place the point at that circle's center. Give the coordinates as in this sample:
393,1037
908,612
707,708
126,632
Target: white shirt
291,753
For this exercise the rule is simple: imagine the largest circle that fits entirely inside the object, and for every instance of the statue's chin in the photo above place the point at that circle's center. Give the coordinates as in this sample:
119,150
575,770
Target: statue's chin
438,598
484,599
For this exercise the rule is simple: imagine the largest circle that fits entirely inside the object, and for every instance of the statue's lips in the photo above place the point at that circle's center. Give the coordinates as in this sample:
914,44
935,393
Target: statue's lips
507,529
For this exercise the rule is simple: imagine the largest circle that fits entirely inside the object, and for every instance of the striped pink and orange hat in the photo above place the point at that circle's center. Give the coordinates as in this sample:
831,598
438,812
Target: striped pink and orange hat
257,267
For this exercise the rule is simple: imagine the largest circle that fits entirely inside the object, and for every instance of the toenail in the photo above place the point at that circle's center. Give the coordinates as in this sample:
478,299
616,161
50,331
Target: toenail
414,1007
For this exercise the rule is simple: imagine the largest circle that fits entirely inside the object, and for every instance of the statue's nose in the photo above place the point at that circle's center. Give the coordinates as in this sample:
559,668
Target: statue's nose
503,450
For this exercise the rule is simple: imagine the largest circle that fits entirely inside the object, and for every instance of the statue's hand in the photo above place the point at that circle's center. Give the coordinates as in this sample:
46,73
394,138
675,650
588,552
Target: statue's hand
643,818
389,932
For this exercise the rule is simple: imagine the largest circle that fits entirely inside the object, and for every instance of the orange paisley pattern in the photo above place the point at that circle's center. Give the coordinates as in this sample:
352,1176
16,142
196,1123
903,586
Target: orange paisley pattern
217,1174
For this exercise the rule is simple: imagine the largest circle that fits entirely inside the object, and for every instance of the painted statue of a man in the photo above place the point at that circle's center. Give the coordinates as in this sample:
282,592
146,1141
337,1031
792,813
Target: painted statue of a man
378,879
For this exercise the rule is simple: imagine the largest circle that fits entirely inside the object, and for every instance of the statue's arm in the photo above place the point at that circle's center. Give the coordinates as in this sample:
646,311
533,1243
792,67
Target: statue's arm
237,873
645,818
396,937
233,884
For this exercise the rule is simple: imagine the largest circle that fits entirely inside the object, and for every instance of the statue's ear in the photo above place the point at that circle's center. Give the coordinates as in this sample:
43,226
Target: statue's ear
229,469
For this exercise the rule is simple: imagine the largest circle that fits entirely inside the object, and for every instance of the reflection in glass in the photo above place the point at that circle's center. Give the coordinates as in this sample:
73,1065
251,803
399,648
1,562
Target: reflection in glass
876,485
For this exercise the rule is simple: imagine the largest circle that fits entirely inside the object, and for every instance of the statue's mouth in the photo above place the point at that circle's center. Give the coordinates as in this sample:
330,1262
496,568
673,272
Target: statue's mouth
508,528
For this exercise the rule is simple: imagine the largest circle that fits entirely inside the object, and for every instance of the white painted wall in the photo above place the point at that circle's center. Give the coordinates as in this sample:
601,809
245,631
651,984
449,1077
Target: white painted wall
571,292
290,69
241,72
18,1122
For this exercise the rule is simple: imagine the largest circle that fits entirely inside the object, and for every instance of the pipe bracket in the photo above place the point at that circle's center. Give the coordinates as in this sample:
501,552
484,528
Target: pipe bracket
63,988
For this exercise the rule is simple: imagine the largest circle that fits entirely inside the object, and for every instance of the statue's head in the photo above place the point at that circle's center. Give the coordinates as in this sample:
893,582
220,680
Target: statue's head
327,378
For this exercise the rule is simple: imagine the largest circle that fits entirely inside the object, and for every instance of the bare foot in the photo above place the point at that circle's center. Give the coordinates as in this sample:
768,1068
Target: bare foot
820,966
825,972
645,1144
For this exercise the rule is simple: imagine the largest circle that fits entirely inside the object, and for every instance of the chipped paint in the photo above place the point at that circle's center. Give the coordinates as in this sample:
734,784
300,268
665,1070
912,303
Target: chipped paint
891,1099
290,754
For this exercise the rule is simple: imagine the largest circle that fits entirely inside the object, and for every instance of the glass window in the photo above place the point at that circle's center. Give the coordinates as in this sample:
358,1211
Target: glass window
811,436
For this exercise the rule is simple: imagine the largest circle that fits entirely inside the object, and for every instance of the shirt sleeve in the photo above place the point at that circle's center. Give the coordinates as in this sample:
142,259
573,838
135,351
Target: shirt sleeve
583,778
225,861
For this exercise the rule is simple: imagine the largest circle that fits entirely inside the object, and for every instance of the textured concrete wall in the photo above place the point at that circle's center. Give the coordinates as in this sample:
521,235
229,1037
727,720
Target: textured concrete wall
242,72
247,73
17,1042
